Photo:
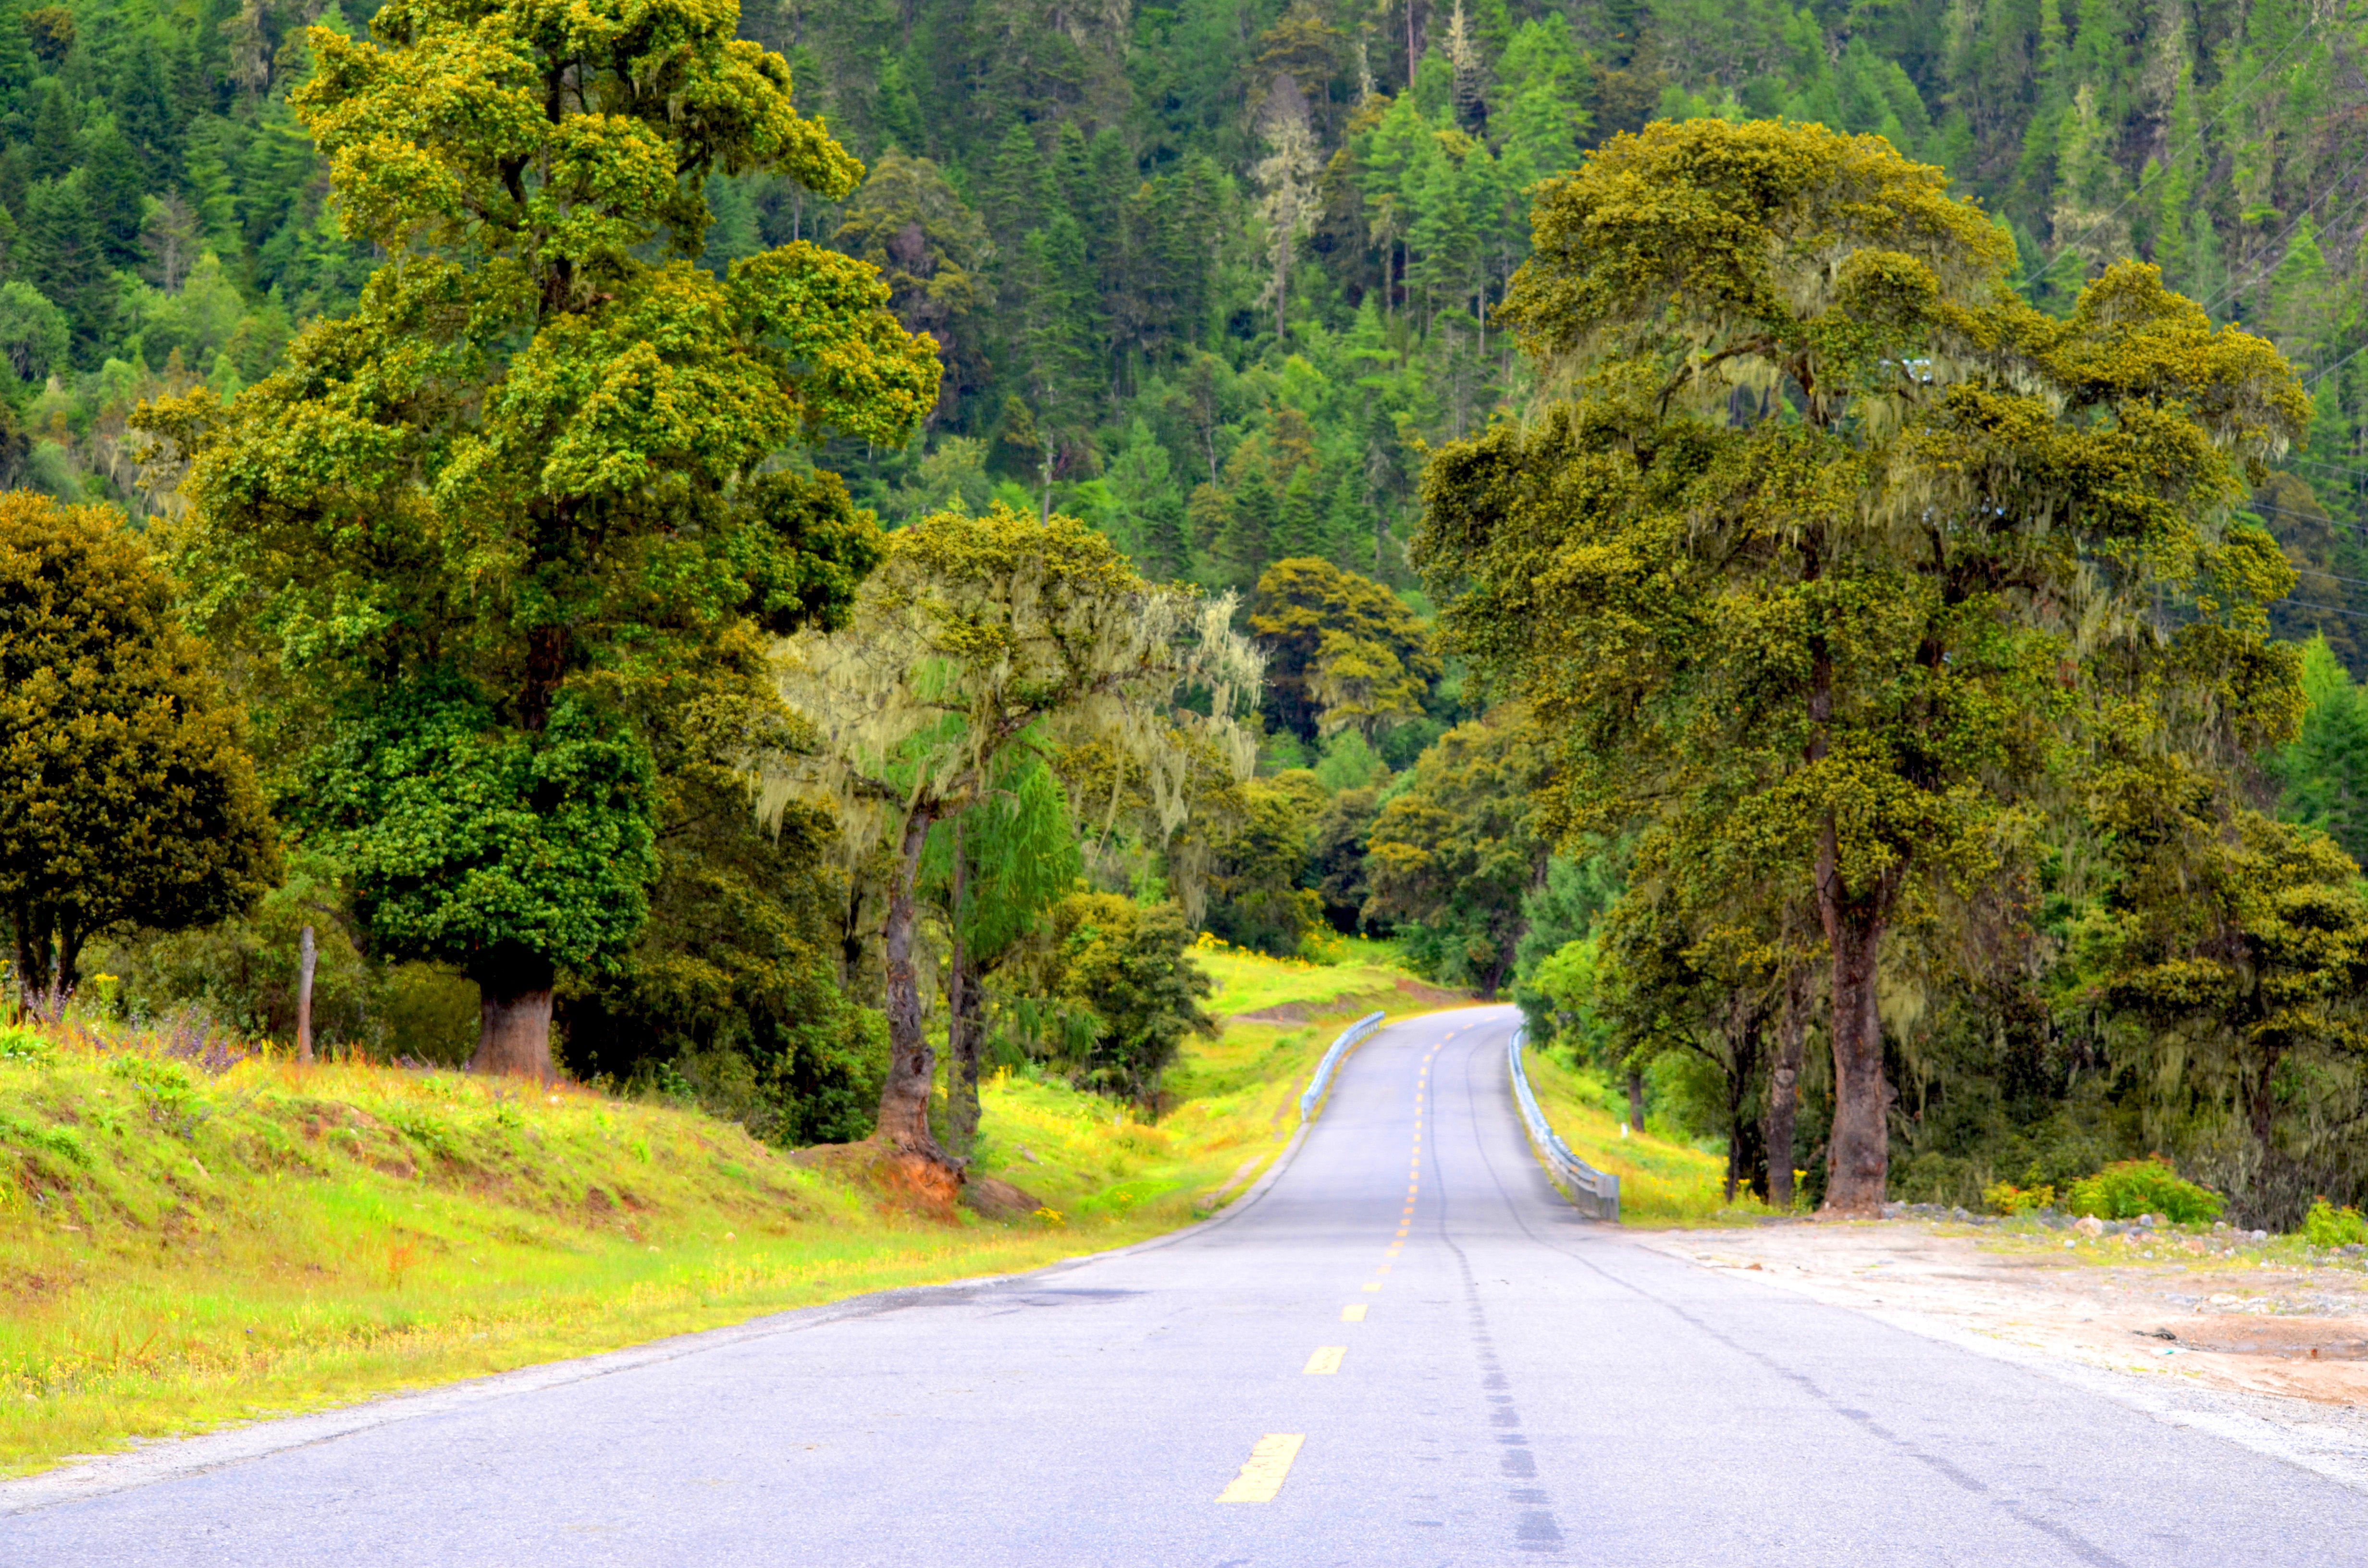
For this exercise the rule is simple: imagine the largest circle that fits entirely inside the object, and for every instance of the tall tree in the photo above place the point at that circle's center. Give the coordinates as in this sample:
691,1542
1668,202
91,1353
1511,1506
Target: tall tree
1287,175
1452,853
907,222
514,504
1341,650
65,252
1804,553
127,794
997,869
975,636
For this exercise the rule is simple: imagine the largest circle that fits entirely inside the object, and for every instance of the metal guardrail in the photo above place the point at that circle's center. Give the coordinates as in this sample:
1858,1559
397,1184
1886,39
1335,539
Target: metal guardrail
1592,1191
1349,1036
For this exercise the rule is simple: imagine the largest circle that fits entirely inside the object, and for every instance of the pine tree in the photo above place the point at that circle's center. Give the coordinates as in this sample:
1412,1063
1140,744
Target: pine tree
55,151
1141,477
2174,190
66,257
1299,528
1059,337
17,66
145,110
1248,544
1287,175
2302,302
1018,190
1471,84
116,199
2036,170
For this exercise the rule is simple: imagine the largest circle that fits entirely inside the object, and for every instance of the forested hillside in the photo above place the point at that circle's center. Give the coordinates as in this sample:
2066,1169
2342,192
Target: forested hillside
1217,270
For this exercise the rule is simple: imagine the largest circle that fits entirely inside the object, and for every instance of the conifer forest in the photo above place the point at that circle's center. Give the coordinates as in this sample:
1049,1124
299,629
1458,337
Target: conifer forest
796,555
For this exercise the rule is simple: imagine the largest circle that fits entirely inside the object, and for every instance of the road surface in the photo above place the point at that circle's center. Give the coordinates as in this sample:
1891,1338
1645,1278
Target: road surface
1405,1350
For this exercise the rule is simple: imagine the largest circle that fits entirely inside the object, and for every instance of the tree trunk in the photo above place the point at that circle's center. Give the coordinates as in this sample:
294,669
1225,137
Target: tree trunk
306,953
1858,1155
1784,1085
1635,1099
2276,1199
1743,1060
33,958
963,1045
513,1011
1858,1151
66,967
962,1020
905,1096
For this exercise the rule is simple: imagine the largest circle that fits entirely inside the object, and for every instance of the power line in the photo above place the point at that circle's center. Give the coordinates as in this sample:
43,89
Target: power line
2314,380
2305,604
2303,517
2097,227
2331,468
2232,289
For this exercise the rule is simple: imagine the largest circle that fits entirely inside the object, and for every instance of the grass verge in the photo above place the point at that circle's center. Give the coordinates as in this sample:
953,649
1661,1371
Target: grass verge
187,1242
1662,1182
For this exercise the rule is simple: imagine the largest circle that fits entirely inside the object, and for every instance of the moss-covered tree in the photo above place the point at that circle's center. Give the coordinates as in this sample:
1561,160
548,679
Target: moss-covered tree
1129,969
1453,852
976,636
1824,544
1342,650
517,502
2237,945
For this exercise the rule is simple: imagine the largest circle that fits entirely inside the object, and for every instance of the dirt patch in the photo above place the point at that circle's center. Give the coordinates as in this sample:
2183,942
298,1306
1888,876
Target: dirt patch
2241,1323
907,1184
1350,1006
1289,1013
998,1200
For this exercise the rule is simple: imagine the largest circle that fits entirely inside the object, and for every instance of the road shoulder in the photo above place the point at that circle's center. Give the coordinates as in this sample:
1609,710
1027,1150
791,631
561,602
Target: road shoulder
2272,1358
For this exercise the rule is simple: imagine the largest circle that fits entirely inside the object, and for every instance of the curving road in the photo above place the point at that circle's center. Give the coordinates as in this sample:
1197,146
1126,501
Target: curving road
1404,1350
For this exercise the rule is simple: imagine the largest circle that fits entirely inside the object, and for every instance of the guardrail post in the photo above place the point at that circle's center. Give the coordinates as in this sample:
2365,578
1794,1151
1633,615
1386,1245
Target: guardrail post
1592,1191
1322,1079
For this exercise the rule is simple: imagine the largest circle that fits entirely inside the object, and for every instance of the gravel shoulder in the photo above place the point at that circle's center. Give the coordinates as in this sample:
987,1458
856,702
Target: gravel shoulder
2199,1330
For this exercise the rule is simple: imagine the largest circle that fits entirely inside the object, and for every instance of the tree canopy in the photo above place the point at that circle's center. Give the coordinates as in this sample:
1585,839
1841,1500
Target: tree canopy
127,794
1828,549
974,634
1342,650
512,509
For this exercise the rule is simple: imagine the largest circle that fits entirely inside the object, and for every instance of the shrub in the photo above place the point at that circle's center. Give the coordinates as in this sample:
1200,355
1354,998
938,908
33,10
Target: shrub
2328,1226
19,1044
2003,1198
2128,1188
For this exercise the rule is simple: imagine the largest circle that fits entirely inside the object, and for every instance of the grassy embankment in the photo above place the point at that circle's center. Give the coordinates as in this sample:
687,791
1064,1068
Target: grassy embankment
1662,1181
180,1247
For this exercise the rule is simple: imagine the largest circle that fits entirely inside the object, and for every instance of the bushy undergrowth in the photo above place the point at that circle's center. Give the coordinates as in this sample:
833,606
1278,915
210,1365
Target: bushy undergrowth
2326,1226
2128,1188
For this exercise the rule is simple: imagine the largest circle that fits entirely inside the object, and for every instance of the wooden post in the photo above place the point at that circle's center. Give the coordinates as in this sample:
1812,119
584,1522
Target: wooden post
306,954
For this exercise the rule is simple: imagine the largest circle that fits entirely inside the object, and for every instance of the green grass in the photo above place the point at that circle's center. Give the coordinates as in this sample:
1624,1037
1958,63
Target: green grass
1662,1181
178,1250
1249,983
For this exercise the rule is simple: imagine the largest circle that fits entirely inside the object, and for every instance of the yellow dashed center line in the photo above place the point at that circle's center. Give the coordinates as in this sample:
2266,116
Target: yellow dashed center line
1325,1361
1262,1474
1353,1312
1374,1285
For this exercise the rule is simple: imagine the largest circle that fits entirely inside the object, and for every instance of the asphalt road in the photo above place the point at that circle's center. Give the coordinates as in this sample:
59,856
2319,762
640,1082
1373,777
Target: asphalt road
1406,1350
